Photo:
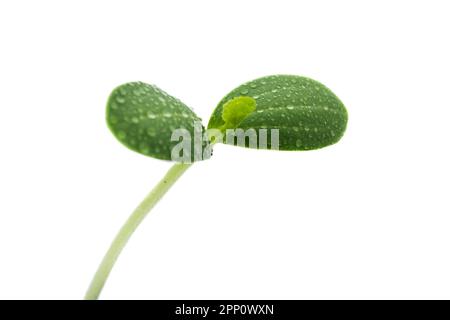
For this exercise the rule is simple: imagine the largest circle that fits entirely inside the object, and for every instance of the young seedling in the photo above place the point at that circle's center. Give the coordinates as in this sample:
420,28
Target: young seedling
297,113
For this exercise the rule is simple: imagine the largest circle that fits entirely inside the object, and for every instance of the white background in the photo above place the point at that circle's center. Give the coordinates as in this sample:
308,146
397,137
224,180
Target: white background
366,218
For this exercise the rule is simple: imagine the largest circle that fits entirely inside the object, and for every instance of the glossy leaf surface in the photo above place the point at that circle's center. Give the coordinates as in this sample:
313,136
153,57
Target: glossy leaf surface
306,113
143,118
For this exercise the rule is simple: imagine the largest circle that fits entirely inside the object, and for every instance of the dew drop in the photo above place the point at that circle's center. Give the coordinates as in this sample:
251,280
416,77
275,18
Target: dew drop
290,107
298,143
151,115
121,135
120,99
113,119
144,148
151,132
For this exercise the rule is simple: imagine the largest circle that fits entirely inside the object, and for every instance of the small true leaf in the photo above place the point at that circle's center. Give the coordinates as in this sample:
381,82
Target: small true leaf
143,117
306,113
236,110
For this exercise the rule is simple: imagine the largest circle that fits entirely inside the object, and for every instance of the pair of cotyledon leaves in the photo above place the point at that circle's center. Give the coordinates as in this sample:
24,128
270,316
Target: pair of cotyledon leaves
305,112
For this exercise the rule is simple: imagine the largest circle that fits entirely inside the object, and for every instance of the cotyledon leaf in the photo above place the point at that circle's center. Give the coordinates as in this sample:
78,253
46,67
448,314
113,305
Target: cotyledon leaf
306,113
143,118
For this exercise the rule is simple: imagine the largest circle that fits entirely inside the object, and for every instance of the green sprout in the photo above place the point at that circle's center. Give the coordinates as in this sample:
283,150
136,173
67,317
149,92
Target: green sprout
297,113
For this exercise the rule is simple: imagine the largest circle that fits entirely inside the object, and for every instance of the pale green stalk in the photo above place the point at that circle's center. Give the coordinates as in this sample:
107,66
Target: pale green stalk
130,226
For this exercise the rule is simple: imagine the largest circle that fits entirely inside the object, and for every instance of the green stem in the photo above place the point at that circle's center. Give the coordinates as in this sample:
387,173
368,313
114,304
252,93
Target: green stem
130,226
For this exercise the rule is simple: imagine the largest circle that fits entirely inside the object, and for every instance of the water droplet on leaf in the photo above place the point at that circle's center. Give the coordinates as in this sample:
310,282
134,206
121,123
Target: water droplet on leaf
120,99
